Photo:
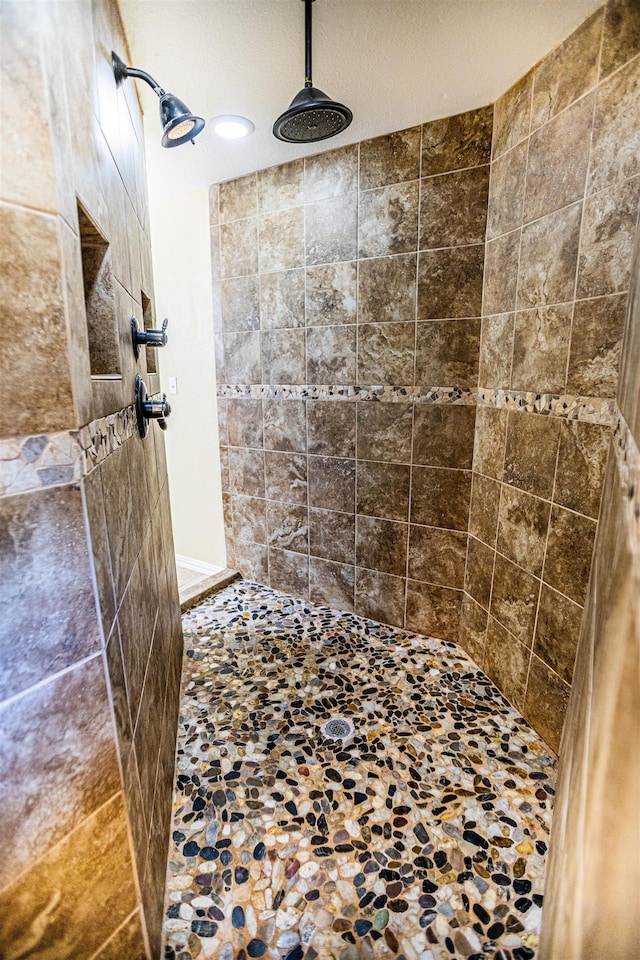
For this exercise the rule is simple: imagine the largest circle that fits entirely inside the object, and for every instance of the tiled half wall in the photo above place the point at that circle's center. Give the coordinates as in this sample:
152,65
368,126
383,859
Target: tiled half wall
90,637
417,346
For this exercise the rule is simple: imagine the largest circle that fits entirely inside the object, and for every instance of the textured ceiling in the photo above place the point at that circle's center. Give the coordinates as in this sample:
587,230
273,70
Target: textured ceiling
394,62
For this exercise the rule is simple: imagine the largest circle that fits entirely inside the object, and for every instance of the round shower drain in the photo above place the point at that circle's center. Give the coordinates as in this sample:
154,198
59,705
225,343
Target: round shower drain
337,729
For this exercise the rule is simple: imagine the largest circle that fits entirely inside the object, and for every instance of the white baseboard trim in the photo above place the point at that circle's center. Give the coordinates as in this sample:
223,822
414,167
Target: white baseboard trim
198,566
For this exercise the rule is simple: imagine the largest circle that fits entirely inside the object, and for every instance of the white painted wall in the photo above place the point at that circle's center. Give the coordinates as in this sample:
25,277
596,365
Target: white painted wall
182,279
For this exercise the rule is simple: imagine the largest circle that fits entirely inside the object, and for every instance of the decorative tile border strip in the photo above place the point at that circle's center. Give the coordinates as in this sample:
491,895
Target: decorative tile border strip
589,409
387,394
48,460
628,463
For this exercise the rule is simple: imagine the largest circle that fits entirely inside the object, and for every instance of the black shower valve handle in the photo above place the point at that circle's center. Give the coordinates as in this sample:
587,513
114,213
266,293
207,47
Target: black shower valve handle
148,338
148,409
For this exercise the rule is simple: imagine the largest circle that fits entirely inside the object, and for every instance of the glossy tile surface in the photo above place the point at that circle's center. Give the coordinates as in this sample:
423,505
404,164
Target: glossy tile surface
425,833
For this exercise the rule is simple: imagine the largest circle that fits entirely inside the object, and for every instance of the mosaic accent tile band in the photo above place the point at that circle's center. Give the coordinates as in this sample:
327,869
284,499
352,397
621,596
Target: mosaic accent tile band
586,409
422,833
46,460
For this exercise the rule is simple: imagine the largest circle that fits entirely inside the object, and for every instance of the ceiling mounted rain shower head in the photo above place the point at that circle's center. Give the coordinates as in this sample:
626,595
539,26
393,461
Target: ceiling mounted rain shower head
179,125
311,115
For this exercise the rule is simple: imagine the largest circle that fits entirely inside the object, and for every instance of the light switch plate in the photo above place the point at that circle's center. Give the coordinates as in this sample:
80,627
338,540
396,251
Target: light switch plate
173,384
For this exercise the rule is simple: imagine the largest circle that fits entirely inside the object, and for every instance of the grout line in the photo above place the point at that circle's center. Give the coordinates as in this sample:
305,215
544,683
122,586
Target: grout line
112,936
10,701
58,843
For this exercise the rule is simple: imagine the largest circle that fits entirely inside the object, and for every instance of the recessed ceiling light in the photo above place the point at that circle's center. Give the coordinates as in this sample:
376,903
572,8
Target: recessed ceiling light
232,127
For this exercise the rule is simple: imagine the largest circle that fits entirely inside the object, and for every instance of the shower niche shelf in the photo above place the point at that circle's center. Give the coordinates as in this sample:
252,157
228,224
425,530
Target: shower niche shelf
99,300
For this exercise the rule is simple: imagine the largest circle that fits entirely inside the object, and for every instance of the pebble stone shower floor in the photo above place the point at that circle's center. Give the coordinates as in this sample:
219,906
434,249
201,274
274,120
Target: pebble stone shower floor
422,837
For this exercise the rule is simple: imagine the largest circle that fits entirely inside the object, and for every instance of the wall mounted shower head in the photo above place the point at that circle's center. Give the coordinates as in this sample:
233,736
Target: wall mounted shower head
178,123
311,115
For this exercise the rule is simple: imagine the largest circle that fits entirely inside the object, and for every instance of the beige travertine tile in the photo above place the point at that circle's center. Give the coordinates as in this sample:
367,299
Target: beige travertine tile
386,353
506,661
621,40
127,942
280,188
331,173
388,220
285,425
239,248
251,559
568,557
546,702
450,282
453,143
501,274
249,519
511,115
331,294
332,483
380,596
557,632
281,240
530,453
332,535
238,198
479,572
615,147
331,354
33,335
282,299
453,208
382,489
514,599
596,336
387,289
331,583
582,462
568,72
434,426
506,191
244,422
557,160
548,258
287,526
489,439
289,572
381,545
84,887
522,528
283,355
447,352
246,472
242,357
331,230
483,512
433,610
437,556
331,428
286,477
496,351
240,304
440,497
606,241
473,628
58,771
390,158
384,431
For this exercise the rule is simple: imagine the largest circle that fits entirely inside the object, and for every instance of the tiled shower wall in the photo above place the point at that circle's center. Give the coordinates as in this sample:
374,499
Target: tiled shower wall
360,394
563,206
355,278
90,640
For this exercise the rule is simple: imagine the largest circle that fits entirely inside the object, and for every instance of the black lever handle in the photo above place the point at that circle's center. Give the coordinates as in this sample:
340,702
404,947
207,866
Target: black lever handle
148,338
147,409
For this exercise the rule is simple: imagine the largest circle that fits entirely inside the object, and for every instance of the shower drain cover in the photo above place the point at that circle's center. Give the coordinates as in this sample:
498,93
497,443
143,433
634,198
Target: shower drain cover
338,729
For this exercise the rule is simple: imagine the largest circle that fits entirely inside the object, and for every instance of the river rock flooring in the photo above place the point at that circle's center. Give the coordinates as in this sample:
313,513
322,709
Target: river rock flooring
420,835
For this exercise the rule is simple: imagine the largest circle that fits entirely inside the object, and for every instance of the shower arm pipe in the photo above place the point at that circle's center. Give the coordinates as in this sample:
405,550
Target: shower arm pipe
123,71
307,43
